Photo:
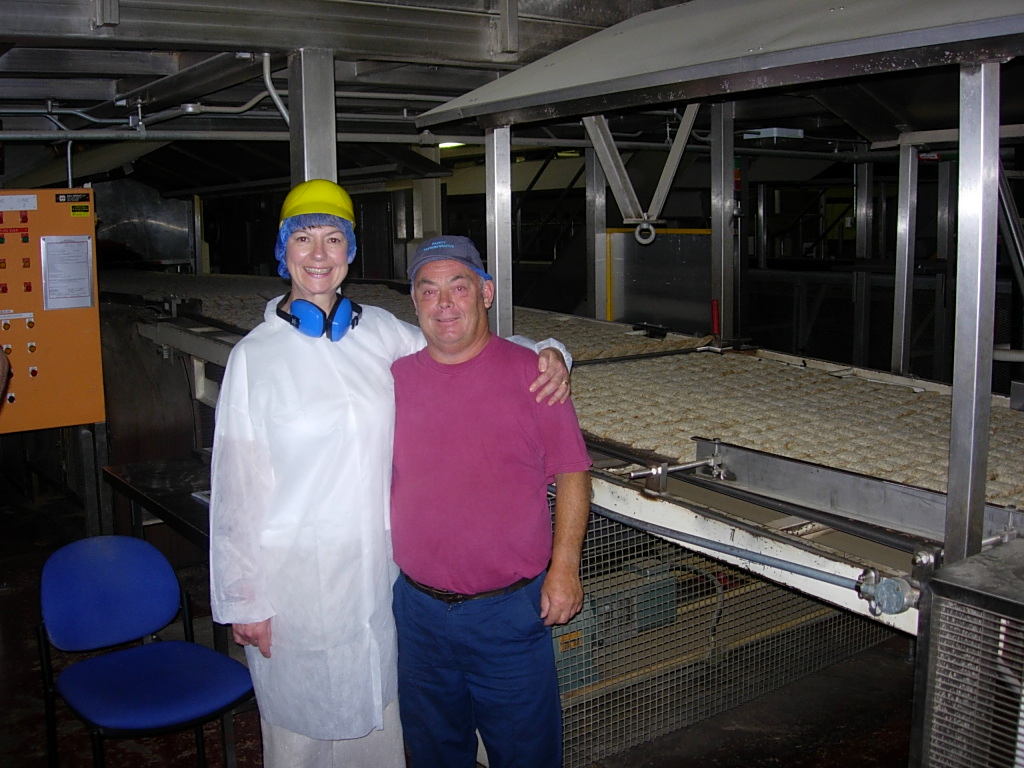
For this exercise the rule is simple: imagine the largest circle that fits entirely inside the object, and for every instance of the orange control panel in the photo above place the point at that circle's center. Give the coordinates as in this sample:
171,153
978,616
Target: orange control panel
49,310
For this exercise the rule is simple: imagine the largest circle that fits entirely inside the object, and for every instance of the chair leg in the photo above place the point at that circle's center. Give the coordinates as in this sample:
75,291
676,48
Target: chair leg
227,737
51,734
98,760
49,697
200,747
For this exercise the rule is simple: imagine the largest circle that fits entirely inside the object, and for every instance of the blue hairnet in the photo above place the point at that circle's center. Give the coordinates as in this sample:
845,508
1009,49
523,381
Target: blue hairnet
304,221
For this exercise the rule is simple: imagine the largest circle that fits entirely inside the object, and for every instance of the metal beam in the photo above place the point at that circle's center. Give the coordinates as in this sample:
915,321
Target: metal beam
668,173
597,238
883,504
614,169
975,308
354,28
1010,228
864,187
508,26
723,205
903,287
314,149
498,158
672,514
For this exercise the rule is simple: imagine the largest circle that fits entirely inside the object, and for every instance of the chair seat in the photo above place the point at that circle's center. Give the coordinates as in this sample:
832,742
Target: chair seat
153,686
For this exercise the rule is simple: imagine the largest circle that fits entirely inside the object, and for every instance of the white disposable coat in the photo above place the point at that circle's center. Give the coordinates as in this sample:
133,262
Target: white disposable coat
299,523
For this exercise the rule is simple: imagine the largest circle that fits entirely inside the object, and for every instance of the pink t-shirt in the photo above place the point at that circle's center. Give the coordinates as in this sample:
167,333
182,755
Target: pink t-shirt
473,458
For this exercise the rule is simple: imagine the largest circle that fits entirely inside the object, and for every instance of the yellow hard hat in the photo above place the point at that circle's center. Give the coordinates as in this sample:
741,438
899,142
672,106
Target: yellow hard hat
318,196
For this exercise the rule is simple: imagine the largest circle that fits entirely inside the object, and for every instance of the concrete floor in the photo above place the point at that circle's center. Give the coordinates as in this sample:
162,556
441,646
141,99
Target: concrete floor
854,713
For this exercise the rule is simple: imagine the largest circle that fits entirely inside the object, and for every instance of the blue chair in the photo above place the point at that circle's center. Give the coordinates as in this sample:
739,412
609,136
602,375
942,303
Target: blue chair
108,591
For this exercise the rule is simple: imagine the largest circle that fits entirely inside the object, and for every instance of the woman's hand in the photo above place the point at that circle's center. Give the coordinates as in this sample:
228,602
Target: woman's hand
552,380
257,634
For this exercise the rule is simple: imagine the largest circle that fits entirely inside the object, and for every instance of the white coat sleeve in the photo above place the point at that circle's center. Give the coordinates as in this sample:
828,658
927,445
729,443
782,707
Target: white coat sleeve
401,338
241,487
537,346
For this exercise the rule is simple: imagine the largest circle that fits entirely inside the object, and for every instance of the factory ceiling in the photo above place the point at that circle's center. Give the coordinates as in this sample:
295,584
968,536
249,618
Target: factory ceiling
177,93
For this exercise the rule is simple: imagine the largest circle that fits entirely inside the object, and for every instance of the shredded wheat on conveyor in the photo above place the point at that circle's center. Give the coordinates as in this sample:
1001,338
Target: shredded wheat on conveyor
847,422
893,431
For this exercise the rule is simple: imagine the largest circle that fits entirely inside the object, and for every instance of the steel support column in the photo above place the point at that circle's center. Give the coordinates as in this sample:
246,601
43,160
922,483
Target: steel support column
498,156
598,294
723,205
861,286
864,185
975,308
761,227
903,287
314,145
942,369
426,200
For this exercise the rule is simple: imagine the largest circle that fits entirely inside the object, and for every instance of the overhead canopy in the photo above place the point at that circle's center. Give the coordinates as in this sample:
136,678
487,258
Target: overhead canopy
711,48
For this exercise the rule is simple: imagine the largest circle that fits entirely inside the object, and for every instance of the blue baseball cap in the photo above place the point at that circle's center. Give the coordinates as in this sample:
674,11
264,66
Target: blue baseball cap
453,247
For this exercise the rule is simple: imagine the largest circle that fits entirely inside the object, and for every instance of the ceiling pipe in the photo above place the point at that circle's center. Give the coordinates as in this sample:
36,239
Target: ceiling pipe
272,91
71,178
421,139
1004,354
51,113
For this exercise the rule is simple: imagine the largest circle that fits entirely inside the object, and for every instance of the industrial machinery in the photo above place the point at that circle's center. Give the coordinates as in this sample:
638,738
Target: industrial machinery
715,569
668,637
969,709
49,312
50,332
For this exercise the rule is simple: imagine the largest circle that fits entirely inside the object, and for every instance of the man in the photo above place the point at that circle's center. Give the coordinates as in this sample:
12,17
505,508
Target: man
483,580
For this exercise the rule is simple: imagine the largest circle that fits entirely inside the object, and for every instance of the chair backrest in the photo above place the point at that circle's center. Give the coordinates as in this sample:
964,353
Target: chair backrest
106,590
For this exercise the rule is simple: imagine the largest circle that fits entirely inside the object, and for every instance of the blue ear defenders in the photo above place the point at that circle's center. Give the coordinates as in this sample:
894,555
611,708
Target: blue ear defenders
310,320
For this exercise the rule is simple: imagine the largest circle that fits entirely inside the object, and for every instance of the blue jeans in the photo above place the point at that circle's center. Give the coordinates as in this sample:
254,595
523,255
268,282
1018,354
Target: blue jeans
484,664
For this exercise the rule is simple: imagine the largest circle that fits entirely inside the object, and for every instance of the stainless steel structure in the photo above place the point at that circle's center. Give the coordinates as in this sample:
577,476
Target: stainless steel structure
200,100
178,79
829,42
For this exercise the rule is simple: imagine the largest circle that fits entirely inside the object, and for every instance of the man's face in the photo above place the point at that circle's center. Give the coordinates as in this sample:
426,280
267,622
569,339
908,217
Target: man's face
451,303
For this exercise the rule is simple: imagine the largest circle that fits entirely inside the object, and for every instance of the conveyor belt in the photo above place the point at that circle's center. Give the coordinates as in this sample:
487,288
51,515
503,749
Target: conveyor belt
896,429
898,432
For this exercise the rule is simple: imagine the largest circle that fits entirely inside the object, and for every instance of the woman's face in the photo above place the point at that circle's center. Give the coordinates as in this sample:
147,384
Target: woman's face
317,258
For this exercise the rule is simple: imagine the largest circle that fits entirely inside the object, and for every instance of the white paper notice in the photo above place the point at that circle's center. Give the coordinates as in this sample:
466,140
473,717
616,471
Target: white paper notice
67,271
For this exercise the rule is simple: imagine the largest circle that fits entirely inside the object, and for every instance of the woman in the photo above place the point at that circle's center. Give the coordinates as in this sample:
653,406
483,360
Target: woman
300,553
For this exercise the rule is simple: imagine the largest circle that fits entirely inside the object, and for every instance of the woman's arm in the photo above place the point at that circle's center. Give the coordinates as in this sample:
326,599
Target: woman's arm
241,486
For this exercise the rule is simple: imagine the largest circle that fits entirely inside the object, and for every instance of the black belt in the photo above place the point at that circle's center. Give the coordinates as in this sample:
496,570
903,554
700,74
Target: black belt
456,597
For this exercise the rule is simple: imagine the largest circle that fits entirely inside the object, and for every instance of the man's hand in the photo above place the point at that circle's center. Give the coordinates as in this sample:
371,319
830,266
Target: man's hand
552,381
257,634
561,597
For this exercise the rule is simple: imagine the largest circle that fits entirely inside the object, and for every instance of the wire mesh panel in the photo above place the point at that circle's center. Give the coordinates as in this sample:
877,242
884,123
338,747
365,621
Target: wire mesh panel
976,717
969,703
668,637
